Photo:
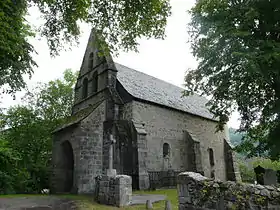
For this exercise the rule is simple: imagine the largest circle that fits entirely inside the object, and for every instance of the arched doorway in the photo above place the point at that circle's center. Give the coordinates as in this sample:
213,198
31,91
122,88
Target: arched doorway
68,166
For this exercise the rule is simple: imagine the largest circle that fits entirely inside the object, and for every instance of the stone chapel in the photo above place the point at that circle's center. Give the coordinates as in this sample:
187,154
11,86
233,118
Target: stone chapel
155,128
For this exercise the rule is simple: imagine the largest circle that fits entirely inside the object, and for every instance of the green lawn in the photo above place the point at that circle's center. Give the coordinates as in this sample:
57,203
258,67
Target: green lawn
87,202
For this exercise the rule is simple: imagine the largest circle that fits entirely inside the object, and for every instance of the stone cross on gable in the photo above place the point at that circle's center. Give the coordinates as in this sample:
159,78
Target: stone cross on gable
111,171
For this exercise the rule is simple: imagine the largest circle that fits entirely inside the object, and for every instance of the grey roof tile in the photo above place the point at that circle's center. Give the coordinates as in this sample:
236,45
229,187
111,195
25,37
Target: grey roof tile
149,88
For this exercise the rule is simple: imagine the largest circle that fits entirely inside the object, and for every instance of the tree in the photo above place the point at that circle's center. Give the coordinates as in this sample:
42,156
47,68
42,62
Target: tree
53,100
119,22
15,50
235,136
8,169
29,128
237,44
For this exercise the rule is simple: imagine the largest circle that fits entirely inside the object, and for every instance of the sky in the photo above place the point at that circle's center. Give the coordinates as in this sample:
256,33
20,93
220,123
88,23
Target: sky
165,59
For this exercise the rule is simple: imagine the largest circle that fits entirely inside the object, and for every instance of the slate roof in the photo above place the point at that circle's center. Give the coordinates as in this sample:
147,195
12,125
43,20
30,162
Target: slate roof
149,88
77,117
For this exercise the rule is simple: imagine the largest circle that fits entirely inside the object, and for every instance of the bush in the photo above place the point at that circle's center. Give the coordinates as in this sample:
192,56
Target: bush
267,163
247,169
247,173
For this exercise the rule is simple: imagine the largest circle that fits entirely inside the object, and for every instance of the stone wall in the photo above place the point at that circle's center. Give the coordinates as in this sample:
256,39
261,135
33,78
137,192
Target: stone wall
231,165
142,151
90,163
73,135
196,192
115,191
163,179
85,139
165,125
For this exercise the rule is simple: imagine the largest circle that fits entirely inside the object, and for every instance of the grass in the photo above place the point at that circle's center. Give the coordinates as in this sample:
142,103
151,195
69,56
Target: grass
86,202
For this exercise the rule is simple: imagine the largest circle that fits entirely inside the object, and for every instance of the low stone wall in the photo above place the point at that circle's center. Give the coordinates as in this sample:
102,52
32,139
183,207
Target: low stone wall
163,179
115,191
197,192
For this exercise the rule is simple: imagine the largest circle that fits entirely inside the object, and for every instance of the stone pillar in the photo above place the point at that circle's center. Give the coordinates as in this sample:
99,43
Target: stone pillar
197,153
115,191
144,182
232,172
194,153
111,172
107,130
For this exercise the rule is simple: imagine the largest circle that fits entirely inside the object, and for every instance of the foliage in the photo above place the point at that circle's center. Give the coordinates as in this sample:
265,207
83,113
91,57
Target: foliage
15,51
267,163
247,174
53,100
7,164
237,46
247,166
121,23
235,136
29,128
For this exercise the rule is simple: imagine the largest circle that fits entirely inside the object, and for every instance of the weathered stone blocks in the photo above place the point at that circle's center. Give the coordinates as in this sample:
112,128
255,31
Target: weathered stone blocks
198,192
115,191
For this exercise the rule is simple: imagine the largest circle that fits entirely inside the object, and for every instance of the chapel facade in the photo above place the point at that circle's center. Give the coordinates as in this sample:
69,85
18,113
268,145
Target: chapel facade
155,128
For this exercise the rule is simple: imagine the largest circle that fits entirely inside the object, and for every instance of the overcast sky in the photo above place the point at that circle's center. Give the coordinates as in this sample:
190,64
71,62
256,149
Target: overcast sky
165,59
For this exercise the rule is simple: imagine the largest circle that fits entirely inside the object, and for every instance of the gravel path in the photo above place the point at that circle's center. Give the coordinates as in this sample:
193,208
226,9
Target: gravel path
36,203
56,203
142,199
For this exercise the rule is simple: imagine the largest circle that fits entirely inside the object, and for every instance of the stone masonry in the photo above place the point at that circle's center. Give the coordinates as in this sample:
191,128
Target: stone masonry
197,192
156,129
86,142
170,127
115,191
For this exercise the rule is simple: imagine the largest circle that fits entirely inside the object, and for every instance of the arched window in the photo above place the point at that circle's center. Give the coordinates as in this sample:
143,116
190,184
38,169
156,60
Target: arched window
94,82
212,174
211,156
166,150
90,61
85,88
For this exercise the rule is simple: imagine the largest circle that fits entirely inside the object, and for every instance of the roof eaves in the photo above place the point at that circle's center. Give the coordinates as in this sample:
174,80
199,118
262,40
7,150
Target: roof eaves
173,108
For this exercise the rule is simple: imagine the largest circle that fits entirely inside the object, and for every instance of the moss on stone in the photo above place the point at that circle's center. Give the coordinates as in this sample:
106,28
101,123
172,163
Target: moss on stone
77,117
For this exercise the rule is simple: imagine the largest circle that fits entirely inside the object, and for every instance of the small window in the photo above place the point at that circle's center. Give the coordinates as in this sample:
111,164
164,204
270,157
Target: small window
85,88
166,150
211,156
90,61
212,174
95,82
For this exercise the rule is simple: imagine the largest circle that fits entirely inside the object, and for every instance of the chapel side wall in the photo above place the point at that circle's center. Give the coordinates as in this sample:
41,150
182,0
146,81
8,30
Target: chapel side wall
166,125
91,149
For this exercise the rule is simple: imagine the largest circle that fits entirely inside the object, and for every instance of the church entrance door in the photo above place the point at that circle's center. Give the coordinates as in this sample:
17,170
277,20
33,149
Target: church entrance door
68,166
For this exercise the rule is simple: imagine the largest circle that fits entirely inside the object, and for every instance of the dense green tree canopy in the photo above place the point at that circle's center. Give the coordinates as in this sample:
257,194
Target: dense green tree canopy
25,144
237,45
15,50
120,22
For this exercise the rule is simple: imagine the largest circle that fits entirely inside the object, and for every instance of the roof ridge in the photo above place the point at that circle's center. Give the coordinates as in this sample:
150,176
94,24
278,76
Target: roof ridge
133,69
149,88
